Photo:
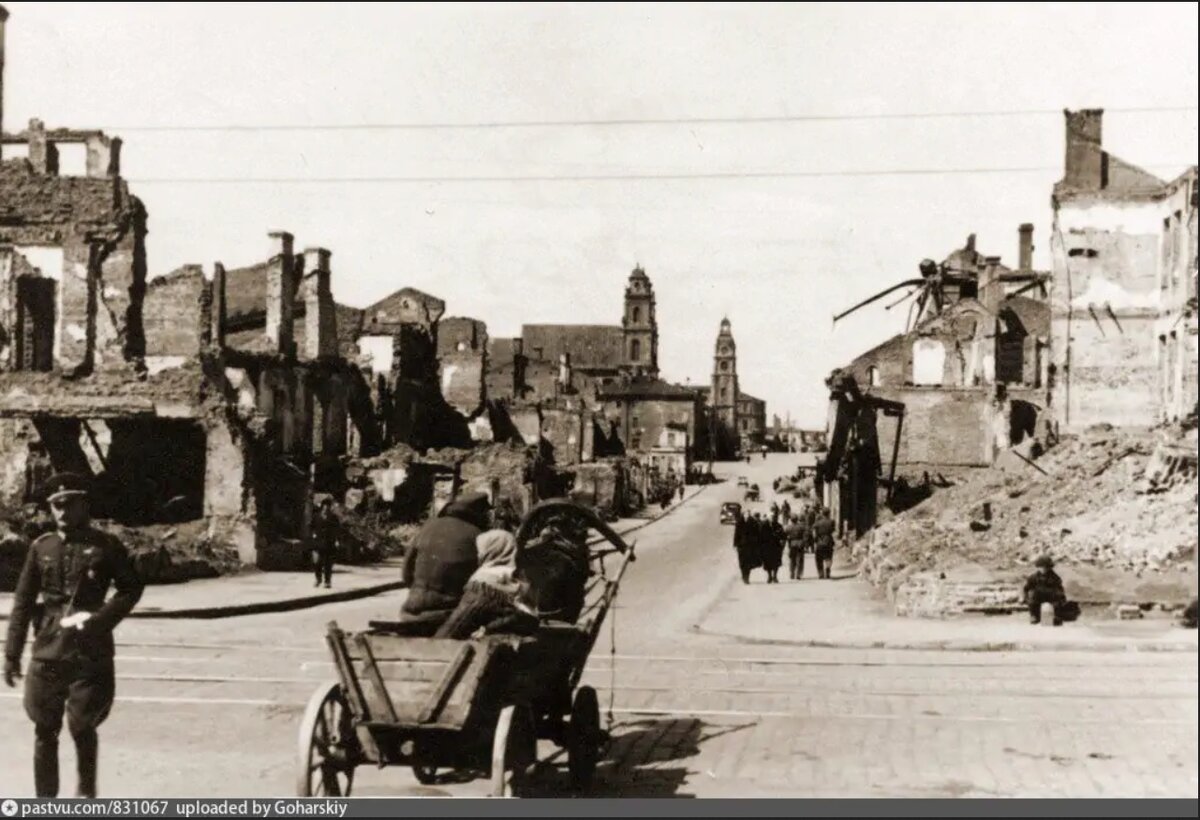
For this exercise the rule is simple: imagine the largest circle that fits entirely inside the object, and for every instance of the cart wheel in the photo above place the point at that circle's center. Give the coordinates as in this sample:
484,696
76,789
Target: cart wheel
425,775
327,740
514,750
583,738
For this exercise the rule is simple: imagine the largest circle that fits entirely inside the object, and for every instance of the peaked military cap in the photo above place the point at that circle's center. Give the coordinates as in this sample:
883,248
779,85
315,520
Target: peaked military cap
65,485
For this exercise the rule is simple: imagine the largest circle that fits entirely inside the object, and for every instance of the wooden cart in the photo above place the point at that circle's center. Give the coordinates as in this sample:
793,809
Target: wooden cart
475,706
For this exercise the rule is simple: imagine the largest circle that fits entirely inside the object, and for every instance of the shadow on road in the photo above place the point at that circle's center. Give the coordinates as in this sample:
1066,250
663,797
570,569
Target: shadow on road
646,758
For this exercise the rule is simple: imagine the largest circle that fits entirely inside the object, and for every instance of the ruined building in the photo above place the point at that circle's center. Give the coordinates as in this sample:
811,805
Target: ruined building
972,371
176,410
1124,291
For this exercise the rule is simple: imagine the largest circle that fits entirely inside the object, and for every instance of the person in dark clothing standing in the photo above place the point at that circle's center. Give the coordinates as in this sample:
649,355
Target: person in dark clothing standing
441,559
773,559
72,569
1044,587
822,536
797,543
745,541
325,541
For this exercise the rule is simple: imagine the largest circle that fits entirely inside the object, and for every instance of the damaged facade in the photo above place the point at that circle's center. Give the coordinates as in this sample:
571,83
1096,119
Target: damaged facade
1124,295
972,375
966,383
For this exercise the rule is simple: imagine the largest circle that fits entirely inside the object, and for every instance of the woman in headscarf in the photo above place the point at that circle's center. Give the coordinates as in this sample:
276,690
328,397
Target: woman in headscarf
493,599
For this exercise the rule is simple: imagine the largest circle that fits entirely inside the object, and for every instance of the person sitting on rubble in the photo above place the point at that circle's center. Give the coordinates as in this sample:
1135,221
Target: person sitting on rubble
440,561
1044,586
555,565
493,600
1188,619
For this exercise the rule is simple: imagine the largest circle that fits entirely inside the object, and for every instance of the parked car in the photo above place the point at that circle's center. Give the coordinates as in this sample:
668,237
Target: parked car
743,481
752,493
729,512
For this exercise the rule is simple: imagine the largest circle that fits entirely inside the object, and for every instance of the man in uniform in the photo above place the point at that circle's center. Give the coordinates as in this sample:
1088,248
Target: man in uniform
822,535
1044,586
797,542
72,664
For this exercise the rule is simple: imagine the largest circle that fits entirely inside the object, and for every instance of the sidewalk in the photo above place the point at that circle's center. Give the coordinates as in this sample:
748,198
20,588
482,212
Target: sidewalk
841,612
253,592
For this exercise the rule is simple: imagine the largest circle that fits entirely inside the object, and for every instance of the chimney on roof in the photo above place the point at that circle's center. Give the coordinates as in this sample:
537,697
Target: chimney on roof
3,18
320,317
43,153
1025,247
1085,165
103,156
281,294
217,334
564,372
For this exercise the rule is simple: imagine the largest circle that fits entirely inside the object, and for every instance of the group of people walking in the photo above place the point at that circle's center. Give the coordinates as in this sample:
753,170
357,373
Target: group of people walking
761,540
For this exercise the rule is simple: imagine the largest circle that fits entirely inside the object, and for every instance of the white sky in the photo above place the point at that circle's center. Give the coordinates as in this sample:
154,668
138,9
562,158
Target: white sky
779,256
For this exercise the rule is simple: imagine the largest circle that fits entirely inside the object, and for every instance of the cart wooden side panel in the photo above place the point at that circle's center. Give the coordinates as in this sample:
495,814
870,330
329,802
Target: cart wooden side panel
418,683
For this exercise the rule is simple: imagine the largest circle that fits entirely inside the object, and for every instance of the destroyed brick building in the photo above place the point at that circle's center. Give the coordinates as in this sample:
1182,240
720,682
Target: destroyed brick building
965,383
1124,295
972,371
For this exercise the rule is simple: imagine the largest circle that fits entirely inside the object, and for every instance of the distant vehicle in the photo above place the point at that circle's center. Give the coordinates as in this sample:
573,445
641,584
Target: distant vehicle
752,493
729,512
743,481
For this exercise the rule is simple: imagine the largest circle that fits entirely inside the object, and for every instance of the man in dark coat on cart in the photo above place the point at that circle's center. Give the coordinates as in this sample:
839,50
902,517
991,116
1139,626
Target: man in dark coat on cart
71,671
441,559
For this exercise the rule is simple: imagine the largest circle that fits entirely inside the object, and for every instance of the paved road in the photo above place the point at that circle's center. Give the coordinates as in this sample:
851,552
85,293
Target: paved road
211,708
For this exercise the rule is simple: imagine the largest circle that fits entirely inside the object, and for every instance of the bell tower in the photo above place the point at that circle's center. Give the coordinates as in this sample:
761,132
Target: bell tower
640,326
724,395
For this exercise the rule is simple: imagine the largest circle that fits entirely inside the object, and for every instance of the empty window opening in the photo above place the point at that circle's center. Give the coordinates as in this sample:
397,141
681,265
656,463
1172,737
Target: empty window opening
153,471
34,331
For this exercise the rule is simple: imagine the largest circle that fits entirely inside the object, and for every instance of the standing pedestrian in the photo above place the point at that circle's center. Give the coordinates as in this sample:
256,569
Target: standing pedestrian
746,544
682,487
823,530
71,668
775,545
797,543
325,541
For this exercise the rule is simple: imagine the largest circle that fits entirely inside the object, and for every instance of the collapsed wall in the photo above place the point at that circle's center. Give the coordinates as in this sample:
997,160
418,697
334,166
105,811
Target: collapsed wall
1100,504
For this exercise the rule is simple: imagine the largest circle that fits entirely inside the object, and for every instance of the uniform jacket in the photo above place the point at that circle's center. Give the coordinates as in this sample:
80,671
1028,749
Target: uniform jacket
442,558
822,530
72,573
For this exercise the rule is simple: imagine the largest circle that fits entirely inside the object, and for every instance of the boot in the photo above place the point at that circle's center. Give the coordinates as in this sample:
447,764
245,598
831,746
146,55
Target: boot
87,749
45,762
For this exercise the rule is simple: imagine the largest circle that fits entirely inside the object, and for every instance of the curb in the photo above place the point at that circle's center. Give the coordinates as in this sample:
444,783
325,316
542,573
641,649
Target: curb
261,607
647,522
264,607
960,646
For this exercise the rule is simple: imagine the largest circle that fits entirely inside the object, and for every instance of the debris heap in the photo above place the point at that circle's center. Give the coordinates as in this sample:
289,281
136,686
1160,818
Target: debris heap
1117,510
